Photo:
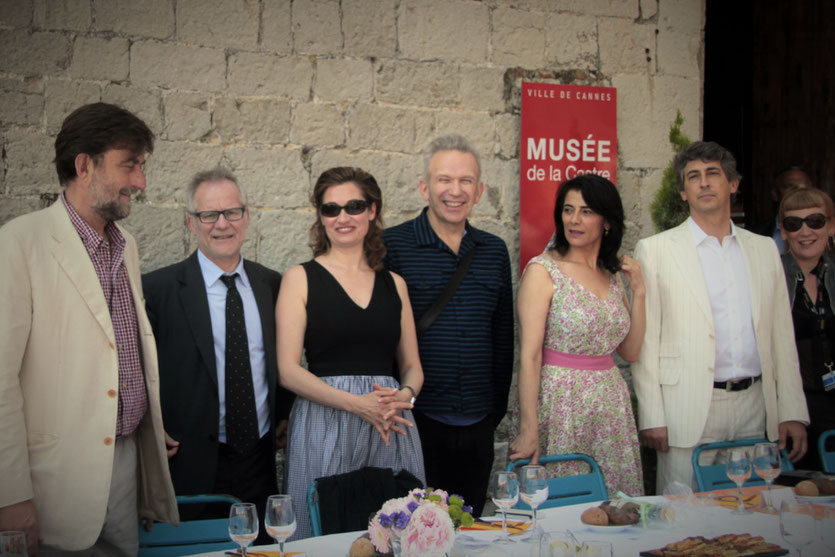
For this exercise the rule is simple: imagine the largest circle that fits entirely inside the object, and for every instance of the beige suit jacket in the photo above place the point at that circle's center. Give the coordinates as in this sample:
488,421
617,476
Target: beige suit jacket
58,372
674,375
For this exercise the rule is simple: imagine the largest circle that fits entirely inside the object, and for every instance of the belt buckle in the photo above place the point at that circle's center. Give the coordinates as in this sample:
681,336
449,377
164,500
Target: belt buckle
729,386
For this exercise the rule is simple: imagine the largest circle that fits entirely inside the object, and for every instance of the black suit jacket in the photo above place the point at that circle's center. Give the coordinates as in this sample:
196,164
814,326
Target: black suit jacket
178,307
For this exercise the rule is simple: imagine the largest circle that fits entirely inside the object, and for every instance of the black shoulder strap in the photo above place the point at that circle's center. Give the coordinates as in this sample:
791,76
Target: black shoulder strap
433,312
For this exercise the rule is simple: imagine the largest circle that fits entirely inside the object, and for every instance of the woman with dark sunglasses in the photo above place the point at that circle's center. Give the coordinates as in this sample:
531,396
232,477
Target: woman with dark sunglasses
806,218
352,319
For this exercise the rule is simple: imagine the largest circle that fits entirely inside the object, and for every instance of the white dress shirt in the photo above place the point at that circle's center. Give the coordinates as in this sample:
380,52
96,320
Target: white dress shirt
726,278
216,291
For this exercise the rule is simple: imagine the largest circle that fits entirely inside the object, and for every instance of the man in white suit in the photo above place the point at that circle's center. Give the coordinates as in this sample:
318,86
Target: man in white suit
82,448
718,361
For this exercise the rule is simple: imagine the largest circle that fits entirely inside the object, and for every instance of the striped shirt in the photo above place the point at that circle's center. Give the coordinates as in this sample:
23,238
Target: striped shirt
467,353
107,255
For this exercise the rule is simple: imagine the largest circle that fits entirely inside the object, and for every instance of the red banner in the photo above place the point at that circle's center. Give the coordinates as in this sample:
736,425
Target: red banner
567,130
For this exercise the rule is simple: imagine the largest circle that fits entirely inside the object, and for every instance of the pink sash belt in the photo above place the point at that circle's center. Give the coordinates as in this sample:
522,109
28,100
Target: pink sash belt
576,361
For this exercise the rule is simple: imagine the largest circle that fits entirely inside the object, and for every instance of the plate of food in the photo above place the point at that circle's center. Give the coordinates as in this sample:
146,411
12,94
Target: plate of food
611,516
729,544
816,490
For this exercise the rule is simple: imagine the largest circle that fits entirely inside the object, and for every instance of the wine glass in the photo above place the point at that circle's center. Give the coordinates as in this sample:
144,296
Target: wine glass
738,469
767,466
280,519
534,492
596,549
243,524
505,489
13,542
797,524
827,528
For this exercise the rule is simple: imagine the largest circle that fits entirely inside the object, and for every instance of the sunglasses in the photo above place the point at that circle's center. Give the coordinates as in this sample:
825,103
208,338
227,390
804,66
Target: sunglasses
353,207
815,221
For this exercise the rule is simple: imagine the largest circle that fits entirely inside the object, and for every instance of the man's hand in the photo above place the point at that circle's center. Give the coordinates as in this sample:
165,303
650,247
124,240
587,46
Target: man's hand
281,434
171,445
23,517
797,431
655,438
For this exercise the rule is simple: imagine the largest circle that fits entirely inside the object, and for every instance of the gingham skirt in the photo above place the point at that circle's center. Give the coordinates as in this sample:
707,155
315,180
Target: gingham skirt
324,441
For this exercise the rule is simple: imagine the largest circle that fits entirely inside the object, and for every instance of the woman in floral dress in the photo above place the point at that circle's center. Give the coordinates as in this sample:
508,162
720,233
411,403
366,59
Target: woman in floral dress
573,314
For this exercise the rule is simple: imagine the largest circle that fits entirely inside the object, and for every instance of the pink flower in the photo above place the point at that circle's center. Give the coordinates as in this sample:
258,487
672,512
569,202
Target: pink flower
379,536
430,533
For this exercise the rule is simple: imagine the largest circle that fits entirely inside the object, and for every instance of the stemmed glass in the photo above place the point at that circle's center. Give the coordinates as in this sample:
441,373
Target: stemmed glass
534,492
243,524
13,543
739,470
797,524
505,490
280,519
767,466
596,549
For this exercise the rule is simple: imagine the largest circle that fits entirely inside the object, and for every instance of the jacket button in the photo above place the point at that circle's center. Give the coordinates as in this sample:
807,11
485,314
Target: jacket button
112,347
112,393
108,440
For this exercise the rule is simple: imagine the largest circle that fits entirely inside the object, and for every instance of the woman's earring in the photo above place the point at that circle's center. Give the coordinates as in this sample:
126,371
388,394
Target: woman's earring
605,231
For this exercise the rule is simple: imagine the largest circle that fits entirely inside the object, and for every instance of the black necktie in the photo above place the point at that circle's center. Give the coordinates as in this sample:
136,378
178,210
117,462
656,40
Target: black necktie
241,421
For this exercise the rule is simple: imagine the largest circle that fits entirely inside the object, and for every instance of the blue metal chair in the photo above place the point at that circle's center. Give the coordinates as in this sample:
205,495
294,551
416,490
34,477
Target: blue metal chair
313,510
568,490
710,477
190,537
827,457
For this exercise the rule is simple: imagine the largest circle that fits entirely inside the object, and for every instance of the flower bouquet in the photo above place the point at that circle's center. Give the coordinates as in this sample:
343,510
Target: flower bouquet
423,523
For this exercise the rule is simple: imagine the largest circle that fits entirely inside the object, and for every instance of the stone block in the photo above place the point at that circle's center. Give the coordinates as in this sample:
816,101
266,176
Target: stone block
283,236
477,127
671,93
184,67
29,166
381,127
518,38
160,235
649,8
21,102
344,79
104,59
443,30
625,46
145,104
634,92
258,120
254,74
418,84
571,41
170,168
151,18
15,13
679,54
482,88
318,124
424,129
276,25
33,54
62,97
231,23
187,117
681,16
641,143
508,129
316,27
502,178
361,39
68,15
609,8
273,176
11,207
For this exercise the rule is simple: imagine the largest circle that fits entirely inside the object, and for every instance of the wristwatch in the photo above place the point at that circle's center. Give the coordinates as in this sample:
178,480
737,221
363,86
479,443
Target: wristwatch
414,394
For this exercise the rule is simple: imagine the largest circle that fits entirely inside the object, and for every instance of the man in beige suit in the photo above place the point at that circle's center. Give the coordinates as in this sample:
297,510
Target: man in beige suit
718,361
82,448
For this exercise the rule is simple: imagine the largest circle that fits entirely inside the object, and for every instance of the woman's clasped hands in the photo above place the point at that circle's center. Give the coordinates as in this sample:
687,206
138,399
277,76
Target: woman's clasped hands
381,408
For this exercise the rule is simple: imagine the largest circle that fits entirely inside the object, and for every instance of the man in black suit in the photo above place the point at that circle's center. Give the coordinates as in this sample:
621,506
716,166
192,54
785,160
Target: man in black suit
213,317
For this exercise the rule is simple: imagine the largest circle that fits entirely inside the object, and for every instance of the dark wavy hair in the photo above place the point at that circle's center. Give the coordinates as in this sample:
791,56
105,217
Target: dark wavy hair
602,197
373,245
94,129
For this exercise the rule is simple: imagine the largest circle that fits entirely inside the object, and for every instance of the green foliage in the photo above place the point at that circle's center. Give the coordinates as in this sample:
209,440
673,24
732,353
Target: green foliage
667,208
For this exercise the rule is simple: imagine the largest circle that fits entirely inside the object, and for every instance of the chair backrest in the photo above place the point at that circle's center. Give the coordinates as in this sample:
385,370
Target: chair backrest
313,510
568,490
827,457
712,476
191,536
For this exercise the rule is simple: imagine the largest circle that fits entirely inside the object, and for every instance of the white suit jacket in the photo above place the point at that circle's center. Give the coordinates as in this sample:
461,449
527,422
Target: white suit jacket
673,376
58,377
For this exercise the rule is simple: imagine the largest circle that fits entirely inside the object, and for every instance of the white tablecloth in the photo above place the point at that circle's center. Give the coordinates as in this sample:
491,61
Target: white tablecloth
708,521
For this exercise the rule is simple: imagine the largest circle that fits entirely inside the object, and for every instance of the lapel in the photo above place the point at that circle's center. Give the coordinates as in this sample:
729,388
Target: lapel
682,250
72,257
195,305
749,254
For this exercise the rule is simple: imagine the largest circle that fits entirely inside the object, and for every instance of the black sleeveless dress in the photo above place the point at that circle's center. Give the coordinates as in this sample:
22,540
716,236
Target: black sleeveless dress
349,348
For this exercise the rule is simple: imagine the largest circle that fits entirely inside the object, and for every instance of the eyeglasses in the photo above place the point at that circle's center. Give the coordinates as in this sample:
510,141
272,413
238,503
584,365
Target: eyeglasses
210,217
815,221
353,207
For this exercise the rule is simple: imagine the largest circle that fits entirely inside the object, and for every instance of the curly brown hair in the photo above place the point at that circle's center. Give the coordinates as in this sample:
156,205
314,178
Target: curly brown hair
373,245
